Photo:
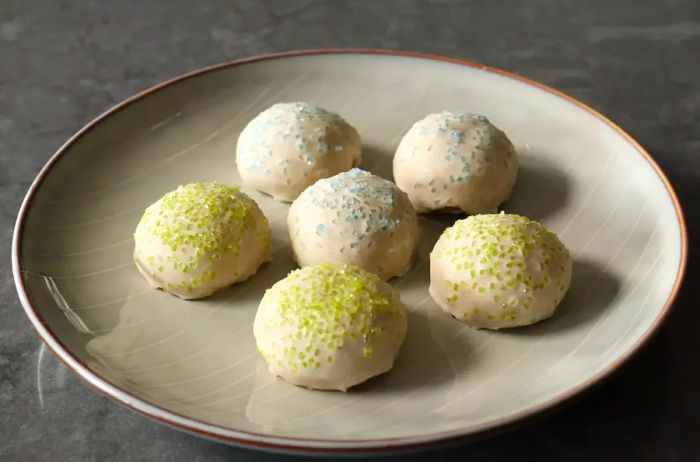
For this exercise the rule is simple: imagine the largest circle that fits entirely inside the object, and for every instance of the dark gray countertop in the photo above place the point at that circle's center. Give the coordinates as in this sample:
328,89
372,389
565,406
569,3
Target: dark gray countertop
638,61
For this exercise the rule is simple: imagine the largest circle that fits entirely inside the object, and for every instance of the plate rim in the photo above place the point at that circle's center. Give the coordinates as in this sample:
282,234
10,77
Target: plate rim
319,445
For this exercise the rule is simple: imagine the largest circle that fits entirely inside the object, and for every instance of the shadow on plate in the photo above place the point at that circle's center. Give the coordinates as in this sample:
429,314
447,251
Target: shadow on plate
438,221
378,161
426,358
592,291
541,189
252,289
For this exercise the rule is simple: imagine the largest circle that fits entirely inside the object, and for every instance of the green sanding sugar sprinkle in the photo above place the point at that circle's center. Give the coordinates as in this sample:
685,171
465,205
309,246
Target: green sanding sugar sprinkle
200,215
500,247
327,305
201,219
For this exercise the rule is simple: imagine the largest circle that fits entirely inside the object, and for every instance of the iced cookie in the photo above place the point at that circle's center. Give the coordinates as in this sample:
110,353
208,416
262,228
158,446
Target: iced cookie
330,326
291,145
500,270
456,162
358,218
200,238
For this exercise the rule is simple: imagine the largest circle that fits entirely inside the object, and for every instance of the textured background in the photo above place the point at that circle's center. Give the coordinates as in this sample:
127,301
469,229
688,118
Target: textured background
62,62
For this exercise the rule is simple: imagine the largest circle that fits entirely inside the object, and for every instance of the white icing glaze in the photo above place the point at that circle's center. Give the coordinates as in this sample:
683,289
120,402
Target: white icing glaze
200,238
358,218
496,271
289,146
456,162
330,326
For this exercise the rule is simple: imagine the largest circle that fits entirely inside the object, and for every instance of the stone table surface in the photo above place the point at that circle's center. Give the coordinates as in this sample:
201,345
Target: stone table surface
62,62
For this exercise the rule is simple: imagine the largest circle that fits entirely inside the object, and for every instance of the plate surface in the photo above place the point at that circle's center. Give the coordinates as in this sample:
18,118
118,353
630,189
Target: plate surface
194,364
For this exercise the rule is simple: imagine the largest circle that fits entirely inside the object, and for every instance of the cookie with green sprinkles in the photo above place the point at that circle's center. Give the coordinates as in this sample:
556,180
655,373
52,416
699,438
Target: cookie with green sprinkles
455,162
330,326
499,270
289,146
200,238
357,218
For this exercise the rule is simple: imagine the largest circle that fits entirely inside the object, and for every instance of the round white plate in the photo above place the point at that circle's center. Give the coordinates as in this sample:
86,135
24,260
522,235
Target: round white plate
193,364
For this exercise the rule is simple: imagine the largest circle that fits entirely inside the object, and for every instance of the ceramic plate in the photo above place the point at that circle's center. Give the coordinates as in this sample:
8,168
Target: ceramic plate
193,364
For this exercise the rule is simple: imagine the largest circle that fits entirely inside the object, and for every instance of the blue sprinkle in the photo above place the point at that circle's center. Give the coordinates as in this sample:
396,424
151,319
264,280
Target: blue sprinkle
255,164
358,172
320,229
385,224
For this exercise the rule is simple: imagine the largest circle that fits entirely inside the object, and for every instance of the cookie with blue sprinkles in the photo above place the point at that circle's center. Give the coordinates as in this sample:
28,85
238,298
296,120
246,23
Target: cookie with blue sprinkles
499,270
289,146
456,162
358,218
330,326
200,238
